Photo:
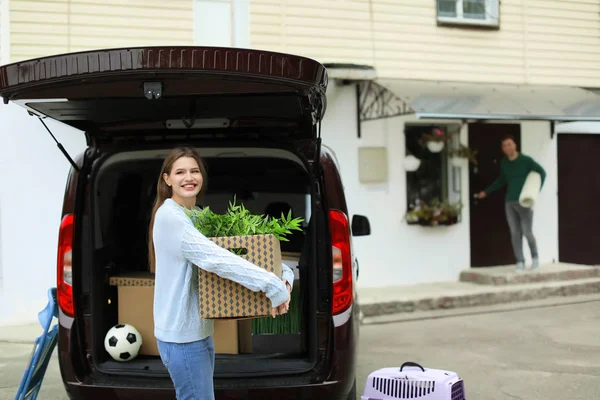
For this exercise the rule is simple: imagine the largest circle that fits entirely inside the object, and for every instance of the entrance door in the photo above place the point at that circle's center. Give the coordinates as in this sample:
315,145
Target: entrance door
579,199
490,237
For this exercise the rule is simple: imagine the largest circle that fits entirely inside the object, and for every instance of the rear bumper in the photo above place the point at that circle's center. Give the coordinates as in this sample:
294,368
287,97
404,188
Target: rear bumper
80,384
326,390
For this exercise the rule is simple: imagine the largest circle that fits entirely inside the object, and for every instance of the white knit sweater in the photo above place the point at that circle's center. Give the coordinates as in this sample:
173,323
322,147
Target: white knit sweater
179,246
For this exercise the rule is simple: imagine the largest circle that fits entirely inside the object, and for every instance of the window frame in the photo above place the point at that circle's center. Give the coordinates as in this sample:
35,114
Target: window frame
491,20
444,167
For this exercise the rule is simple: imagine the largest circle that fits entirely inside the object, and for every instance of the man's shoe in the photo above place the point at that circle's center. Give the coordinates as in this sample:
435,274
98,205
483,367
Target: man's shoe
535,264
520,267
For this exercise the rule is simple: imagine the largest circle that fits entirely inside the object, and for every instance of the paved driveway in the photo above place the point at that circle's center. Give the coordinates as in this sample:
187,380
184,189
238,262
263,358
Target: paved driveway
536,354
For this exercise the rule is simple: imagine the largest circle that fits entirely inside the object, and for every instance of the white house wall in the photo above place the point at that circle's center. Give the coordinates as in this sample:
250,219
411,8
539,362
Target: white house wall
34,175
396,253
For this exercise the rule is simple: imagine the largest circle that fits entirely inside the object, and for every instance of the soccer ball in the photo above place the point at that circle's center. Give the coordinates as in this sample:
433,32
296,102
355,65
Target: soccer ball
123,342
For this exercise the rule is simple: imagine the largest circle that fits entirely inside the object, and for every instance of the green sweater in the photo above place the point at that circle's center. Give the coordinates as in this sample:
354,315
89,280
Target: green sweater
514,174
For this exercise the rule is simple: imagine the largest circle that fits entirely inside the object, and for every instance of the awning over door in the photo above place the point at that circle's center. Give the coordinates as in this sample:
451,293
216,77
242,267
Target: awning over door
452,100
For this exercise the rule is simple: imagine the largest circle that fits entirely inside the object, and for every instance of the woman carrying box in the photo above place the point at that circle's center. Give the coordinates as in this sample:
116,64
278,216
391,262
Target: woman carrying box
175,249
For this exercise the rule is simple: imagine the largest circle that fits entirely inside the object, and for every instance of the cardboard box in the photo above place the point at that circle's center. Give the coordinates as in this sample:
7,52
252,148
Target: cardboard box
223,298
225,337
135,293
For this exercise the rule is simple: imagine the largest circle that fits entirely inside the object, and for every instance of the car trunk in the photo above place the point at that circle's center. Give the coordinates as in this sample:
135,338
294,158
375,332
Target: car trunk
267,181
253,114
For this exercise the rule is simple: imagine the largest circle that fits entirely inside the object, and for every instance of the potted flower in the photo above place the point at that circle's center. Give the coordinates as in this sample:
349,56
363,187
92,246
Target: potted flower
462,153
433,214
435,140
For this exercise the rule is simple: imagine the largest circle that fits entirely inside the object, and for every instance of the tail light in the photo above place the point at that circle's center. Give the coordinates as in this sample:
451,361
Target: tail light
342,262
64,287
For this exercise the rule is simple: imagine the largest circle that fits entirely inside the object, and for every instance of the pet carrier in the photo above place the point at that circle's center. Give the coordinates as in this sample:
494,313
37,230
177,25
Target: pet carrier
413,383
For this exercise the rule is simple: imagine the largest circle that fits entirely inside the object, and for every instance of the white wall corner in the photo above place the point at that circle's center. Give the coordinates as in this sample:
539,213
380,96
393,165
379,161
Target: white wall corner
4,32
1,262
221,23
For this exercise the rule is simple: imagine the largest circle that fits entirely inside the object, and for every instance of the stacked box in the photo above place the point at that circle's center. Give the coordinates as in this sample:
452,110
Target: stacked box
135,293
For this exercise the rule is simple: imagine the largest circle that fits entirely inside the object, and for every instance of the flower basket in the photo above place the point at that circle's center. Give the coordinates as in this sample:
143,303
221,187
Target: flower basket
434,214
434,146
436,140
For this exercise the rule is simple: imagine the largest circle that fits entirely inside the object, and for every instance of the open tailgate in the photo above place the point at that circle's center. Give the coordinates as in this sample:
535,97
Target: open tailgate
171,88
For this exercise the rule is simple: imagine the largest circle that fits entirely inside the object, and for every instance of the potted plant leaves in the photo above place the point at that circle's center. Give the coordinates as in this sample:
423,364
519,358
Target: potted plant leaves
461,154
281,334
434,213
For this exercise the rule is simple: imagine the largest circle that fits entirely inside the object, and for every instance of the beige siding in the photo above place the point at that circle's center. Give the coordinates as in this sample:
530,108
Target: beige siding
4,32
1,43
539,41
45,27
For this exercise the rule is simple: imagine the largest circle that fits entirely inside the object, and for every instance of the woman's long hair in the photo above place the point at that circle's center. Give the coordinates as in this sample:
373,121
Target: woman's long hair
164,191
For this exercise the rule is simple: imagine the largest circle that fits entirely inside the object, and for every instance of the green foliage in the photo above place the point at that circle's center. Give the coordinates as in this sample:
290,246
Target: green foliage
286,323
464,152
238,221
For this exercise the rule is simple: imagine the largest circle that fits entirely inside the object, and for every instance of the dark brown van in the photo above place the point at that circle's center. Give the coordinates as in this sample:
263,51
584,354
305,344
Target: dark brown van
255,118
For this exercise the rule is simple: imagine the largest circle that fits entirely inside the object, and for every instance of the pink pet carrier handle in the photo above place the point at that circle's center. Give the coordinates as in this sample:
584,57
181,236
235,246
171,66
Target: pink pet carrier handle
411,364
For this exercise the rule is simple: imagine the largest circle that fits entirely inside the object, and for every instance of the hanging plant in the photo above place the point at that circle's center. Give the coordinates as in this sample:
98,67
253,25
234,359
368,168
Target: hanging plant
464,152
411,163
435,140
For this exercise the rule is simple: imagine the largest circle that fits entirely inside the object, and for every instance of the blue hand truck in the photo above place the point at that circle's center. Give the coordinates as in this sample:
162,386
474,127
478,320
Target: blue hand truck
42,351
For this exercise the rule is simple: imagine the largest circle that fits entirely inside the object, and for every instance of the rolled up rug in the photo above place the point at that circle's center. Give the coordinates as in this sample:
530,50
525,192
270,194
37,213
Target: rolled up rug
531,189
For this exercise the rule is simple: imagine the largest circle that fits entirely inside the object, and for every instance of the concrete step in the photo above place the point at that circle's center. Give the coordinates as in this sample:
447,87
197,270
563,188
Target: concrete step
546,273
452,295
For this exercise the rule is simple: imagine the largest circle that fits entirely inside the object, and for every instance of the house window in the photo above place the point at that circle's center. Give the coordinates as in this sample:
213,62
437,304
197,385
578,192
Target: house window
431,200
429,183
468,12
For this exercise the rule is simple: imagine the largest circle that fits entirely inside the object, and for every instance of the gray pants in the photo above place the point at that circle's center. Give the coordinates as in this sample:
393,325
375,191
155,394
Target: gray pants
520,222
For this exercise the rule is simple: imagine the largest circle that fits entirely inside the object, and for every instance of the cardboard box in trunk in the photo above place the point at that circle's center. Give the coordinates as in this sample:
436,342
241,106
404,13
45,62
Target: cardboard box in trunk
223,298
135,293
135,297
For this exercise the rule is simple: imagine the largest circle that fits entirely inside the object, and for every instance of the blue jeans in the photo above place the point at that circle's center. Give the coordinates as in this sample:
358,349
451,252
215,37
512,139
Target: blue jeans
191,367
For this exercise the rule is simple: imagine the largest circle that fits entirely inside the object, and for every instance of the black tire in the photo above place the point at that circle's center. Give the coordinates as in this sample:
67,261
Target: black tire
352,394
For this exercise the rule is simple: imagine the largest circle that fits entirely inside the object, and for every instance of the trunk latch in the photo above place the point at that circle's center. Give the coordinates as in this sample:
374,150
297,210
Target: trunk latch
153,90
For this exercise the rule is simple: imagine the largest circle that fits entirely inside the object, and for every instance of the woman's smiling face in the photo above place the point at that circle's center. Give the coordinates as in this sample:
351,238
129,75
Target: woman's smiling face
185,180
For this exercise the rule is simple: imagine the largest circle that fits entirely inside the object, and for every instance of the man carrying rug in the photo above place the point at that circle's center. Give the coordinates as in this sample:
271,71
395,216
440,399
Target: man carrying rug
514,169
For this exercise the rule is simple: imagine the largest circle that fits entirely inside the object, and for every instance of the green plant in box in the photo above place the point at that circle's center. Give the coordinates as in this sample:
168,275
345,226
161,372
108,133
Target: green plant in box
238,221
287,323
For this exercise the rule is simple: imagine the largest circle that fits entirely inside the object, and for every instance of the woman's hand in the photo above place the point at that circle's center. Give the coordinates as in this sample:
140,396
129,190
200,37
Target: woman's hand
280,309
285,307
